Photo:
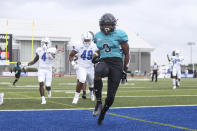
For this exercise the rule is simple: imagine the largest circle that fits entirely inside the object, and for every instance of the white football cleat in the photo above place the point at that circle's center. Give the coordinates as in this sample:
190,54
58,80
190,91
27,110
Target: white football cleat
43,102
75,100
92,97
1,98
174,87
49,94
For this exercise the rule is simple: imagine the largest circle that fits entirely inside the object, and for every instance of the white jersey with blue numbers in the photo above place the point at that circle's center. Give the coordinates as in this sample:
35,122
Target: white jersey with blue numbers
176,61
45,59
84,54
109,45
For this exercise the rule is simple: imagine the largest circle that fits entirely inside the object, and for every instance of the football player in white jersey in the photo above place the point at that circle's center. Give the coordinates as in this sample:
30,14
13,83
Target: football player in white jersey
176,60
84,66
45,55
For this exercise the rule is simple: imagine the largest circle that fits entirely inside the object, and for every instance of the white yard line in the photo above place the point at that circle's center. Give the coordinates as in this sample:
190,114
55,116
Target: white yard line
116,96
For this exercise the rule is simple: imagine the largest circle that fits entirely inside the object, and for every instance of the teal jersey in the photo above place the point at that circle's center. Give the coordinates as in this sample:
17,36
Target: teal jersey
109,45
16,68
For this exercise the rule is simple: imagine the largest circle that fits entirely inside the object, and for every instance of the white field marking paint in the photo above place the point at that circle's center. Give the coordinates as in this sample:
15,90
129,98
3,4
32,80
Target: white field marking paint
132,79
70,92
93,108
158,90
105,96
24,98
74,84
46,109
68,84
132,84
34,88
133,87
20,88
58,91
17,86
5,83
73,91
158,96
26,86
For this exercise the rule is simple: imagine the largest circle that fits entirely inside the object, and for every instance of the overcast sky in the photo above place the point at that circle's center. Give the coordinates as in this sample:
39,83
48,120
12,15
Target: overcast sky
165,24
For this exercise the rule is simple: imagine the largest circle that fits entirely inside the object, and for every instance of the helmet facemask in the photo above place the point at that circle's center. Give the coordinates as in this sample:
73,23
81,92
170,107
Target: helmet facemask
177,53
87,42
107,23
45,43
86,38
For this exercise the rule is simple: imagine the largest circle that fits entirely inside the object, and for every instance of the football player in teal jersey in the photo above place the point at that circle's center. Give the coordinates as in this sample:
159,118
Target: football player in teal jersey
113,45
17,69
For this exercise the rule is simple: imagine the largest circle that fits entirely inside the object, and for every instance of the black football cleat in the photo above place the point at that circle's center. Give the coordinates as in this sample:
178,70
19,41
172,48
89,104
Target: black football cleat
84,96
97,109
101,117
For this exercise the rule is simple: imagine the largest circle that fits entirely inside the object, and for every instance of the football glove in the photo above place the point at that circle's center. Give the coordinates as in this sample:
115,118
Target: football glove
124,75
95,60
74,64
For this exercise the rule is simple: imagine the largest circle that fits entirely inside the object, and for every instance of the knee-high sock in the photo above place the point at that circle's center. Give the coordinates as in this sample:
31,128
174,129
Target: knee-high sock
98,85
174,82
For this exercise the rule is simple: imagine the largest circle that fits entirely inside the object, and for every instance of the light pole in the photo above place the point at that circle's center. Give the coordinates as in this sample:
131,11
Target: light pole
191,44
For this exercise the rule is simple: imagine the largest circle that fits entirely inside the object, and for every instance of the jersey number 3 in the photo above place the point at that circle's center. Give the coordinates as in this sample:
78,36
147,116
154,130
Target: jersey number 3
106,48
88,55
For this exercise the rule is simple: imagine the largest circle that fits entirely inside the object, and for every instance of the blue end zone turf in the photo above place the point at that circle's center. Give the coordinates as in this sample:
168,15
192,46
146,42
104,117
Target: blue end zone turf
124,119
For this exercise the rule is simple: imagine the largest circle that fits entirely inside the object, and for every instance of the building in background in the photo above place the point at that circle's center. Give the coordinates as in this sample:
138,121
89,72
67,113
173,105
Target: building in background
26,32
140,54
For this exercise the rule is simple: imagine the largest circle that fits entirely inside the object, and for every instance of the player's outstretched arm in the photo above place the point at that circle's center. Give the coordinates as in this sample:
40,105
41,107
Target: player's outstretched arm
71,55
36,58
168,57
125,48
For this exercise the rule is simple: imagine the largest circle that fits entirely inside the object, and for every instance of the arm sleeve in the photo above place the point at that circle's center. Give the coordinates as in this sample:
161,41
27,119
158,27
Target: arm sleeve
123,37
37,50
76,48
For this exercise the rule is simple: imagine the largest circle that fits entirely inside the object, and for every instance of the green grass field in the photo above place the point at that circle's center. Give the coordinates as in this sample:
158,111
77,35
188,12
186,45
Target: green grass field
139,92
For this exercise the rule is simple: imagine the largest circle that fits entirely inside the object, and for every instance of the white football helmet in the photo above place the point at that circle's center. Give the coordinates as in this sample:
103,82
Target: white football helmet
45,43
86,38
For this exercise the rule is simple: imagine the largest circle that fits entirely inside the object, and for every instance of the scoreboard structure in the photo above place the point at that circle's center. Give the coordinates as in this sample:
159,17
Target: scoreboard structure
5,48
